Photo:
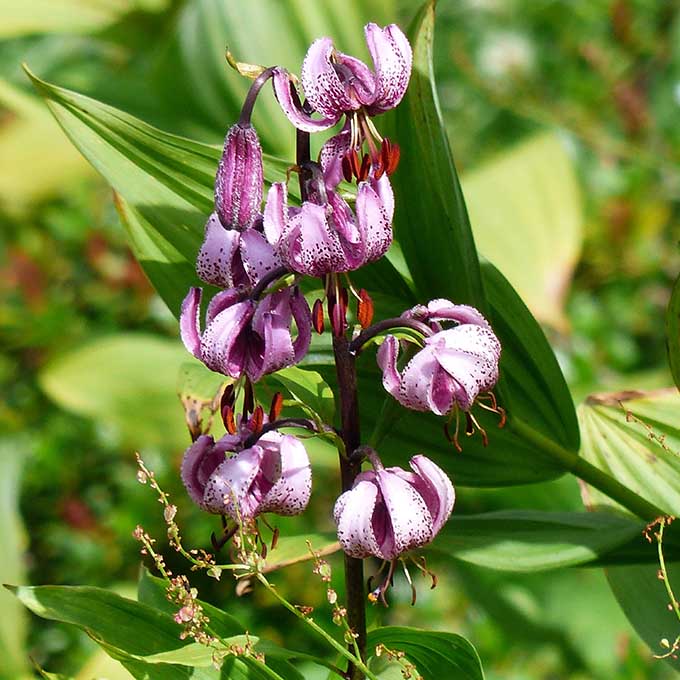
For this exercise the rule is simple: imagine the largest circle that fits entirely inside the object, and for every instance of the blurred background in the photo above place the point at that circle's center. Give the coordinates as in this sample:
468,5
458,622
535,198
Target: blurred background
574,103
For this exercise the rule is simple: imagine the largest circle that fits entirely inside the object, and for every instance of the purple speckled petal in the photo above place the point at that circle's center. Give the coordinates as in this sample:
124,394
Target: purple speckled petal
470,354
374,222
231,483
271,322
292,486
436,489
290,105
214,263
189,322
444,310
238,185
353,514
411,523
313,248
303,320
358,79
387,355
197,457
222,347
392,59
418,378
220,302
258,255
322,82
331,155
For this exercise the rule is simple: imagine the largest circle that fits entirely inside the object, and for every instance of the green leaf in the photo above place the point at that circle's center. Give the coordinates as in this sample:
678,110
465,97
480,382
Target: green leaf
309,388
291,549
13,624
643,599
524,540
436,655
130,632
443,262
635,438
532,229
127,381
673,332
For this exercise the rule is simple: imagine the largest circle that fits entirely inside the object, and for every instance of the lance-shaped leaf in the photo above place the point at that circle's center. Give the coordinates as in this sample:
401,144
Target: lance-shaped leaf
541,437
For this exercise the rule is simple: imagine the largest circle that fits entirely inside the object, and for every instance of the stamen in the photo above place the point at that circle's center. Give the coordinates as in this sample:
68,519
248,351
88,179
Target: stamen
447,433
373,129
365,309
364,169
346,168
275,409
257,421
410,582
228,419
470,430
421,564
248,399
317,317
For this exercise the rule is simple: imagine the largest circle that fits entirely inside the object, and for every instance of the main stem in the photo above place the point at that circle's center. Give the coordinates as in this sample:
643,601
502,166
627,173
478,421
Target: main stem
351,435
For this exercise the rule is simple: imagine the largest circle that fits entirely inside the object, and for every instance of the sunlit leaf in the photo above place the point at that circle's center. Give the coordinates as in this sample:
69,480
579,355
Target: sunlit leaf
125,381
532,229
309,388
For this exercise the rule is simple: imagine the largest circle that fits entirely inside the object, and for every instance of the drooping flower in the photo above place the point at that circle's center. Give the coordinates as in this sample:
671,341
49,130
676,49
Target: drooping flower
389,511
454,366
336,84
245,336
324,235
273,475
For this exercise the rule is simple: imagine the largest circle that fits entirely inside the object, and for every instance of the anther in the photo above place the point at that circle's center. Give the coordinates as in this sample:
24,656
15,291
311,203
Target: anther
364,169
228,419
257,421
317,316
365,309
275,409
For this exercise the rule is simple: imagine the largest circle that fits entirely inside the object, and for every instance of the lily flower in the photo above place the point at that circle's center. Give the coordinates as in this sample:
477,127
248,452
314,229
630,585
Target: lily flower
389,511
246,336
451,370
336,84
324,235
273,475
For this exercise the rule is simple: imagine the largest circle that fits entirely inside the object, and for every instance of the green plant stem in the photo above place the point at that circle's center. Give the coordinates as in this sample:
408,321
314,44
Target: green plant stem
341,649
664,572
584,470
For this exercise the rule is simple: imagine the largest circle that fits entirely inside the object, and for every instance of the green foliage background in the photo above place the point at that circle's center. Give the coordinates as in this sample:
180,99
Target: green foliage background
561,120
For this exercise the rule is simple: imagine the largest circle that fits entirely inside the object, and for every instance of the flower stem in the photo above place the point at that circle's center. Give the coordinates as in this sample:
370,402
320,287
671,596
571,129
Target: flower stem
388,325
587,472
353,661
349,469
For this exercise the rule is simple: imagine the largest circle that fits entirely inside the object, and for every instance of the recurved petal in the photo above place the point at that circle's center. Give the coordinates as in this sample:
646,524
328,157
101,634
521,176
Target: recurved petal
303,320
189,322
374,222
258,255
197,458
276,212
238,184
223,349
292,486
331,155
392,59
436,489
312,247
470,357
353,513
424,385
227,490
323,87
444,310
290,104
272,322
215,260
410,520
387,355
